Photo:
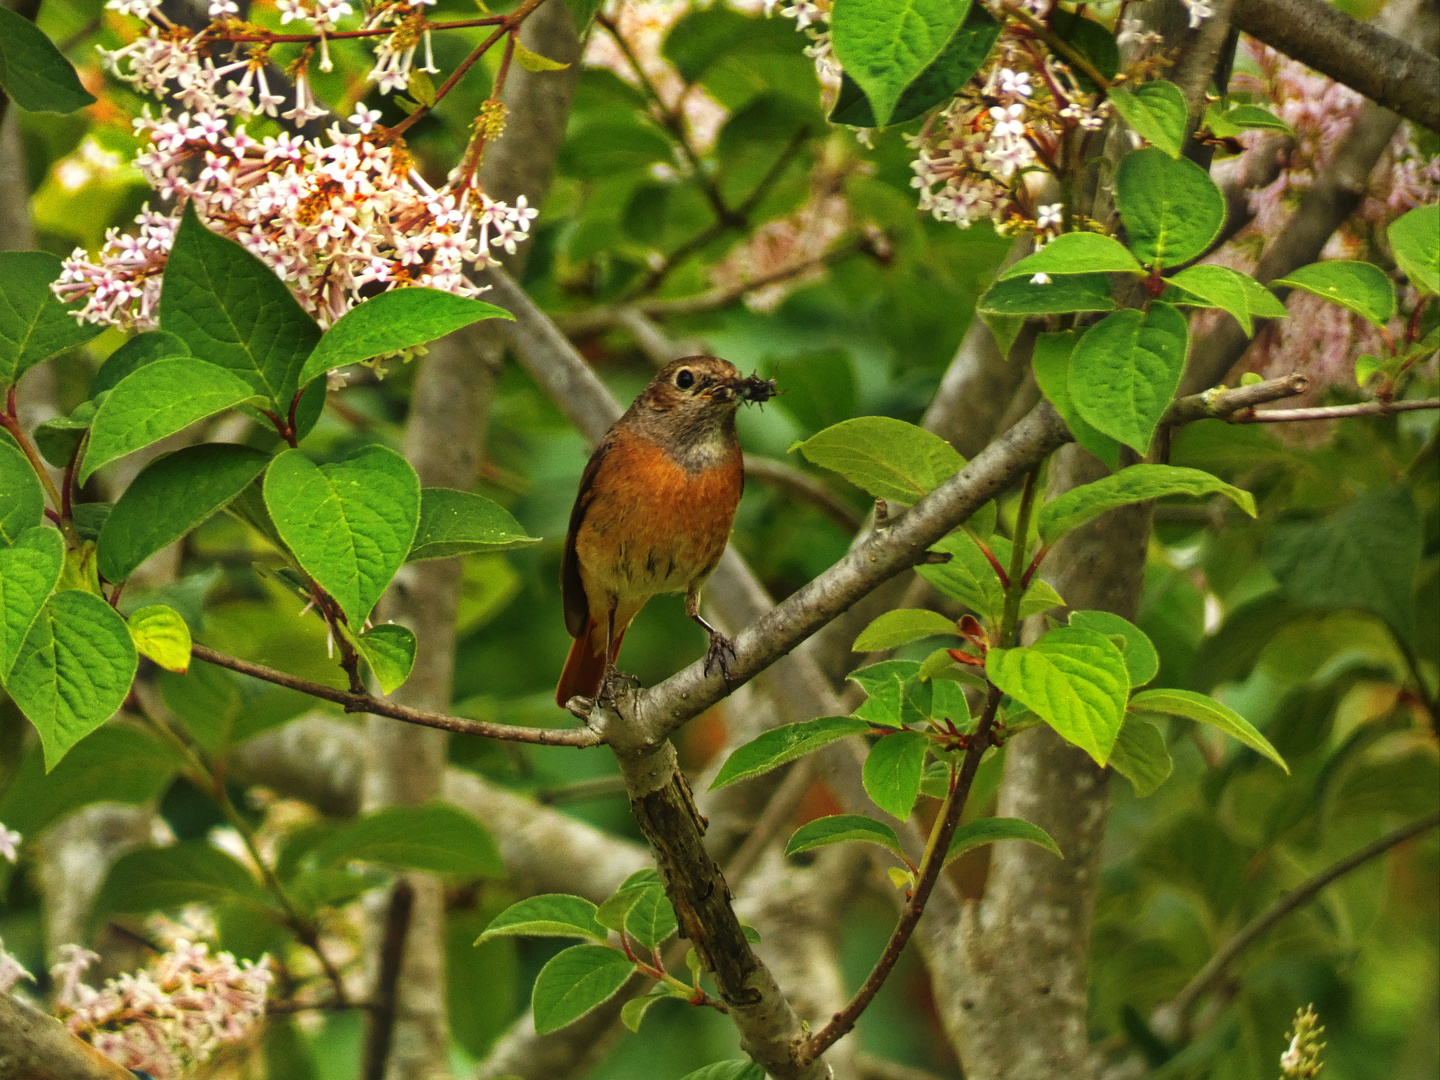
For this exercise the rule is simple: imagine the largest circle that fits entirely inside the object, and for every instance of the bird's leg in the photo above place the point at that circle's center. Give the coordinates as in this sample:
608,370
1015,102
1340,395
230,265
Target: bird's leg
612,674
721,652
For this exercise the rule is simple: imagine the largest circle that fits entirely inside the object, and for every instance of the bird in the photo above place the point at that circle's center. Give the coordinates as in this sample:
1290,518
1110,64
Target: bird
653,514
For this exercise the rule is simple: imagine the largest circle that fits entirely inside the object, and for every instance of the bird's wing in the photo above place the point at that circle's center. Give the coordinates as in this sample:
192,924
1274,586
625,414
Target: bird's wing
572,588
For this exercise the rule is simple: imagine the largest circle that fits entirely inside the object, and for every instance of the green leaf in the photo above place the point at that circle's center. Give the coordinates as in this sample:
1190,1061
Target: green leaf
1171,208
1218,287
634,1010
33,72
1360,287
1263,304
73,671
1051,364
191,872
349,524
22,499
1365,557
1242,118
550,915
1074,680
782,744
59,438
884,685
140,350
533,61
885,457
459,523
574,982
1156,111
989,830
435,836
728,1070
1141,659
34,325
116,764
29,572
1076,292
1076,253
893,770
1140,755
1134,484
394,320
967,577
171,496
207,701
840,828
1094,42
895,628
1415,243
1206,710
1125,369
949,71
651,918
158,400
313,890
231,309
389,649
884,45
161,635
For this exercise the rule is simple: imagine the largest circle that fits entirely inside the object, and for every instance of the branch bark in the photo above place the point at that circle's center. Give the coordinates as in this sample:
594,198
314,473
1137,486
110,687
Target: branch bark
1387,69
34,1046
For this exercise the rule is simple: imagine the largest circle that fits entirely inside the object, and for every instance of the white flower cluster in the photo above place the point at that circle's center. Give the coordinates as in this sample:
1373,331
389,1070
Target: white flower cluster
331,216
812,18
167,1018
11,971
972,154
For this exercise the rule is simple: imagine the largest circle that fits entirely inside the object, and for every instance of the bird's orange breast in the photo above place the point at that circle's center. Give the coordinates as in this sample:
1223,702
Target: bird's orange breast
653,526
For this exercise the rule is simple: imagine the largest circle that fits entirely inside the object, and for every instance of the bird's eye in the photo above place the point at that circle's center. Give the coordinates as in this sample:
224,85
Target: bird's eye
684,378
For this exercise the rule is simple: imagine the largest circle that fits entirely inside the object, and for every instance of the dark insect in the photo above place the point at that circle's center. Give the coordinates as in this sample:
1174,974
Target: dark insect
756,390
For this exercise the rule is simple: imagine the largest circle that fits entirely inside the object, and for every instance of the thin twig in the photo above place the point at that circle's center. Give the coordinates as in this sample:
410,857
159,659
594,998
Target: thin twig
1175,1014
367,703
1057,43
392,955
1335,412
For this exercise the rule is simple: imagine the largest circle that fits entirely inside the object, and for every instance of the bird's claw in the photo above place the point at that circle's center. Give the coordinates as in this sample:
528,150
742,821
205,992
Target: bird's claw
614,677
722,654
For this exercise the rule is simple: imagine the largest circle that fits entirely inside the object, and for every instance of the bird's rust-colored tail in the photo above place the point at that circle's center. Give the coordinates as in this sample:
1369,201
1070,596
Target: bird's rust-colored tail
585,666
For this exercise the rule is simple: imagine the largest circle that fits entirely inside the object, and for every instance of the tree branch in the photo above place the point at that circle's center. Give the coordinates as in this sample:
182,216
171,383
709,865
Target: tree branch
1336,412
34,1046
1386,69
1171,1019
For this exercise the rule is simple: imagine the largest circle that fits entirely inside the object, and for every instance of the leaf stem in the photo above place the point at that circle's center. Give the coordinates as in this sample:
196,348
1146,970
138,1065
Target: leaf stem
1015,588
10,421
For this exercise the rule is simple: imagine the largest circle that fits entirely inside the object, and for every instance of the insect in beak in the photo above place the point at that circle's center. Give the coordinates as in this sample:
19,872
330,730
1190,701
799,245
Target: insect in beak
756,390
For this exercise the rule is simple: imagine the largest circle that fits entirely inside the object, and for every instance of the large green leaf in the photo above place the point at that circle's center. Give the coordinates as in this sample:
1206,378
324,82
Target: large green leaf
436,836
1415,242
1206,710
1074,680
896,628
840,828
885,457
1360,287
1218,287
157,400
192,872
162,636
949,71
1364,557
33,72
989,830
1075,292
1156,111
1125,369
459,523
1140,755
22,499
1051,365
1076,253
779,745
970,578
171,496
349,524
73,671
115,764
389,650
140,350
1171,208
885,45
1141,659
34,325
1134,484
550,915
230,308
893,770
884,686
394,320
29,571
574,982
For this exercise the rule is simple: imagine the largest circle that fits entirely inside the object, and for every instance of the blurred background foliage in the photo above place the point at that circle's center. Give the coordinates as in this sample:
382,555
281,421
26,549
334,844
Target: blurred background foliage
1316,621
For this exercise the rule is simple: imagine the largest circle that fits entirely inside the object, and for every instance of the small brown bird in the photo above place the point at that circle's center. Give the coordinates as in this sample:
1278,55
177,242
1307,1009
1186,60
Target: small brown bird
654,512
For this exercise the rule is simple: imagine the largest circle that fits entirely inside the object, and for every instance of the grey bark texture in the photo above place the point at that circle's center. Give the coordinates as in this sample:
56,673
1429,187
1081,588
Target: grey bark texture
444,440
39,1047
